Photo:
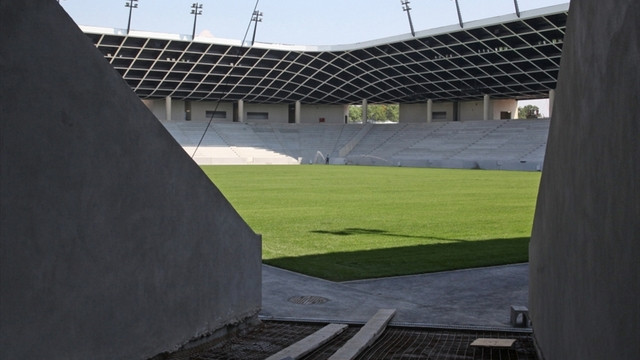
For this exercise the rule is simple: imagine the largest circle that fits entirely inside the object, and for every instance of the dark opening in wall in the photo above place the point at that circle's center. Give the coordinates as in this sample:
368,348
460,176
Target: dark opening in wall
439,115
216,114
187,110
257,115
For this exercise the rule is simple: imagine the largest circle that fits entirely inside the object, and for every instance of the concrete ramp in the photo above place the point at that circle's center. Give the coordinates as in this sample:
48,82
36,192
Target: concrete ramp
113,243
366,336
310,343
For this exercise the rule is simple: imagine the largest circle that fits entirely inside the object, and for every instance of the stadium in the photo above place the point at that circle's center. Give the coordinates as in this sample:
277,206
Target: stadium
446,75
118,240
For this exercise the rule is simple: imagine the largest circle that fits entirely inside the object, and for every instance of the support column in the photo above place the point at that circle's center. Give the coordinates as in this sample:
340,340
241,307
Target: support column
241,111
364,111
429,111
456,111
552,98
167,105
297,112
487,108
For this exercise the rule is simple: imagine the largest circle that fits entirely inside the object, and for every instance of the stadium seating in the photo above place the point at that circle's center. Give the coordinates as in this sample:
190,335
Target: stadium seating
493,144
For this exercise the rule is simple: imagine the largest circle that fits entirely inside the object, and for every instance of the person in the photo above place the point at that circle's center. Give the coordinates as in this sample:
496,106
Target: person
326,161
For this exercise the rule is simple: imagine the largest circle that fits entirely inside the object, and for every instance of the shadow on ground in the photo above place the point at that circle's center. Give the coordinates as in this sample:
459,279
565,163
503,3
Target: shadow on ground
418,259
361,231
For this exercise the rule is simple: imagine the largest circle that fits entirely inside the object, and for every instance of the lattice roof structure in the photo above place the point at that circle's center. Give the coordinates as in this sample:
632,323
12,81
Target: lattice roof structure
504,57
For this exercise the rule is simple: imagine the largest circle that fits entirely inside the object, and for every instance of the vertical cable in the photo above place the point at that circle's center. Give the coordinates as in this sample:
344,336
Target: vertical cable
225,80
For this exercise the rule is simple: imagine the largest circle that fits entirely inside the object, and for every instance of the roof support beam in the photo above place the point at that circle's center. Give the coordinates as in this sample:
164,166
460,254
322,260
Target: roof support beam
297,112
487,108
240,111
365,112
167,105
552,98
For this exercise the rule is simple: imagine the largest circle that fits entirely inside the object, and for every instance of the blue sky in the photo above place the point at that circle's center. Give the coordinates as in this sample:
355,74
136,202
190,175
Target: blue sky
299,22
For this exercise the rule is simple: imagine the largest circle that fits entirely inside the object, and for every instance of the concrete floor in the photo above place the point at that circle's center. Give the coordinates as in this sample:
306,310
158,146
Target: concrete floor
463,298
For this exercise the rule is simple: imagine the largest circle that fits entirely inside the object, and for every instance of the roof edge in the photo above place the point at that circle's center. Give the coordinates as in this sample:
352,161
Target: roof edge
549,10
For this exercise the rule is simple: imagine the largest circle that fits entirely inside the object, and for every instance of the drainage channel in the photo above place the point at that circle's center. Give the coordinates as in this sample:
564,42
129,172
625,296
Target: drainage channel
307,300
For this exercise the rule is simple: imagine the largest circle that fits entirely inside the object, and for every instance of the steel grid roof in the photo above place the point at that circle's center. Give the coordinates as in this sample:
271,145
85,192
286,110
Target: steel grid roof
504,57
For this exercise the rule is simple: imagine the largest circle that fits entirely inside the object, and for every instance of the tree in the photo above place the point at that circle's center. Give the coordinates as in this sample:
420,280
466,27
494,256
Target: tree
528,112
384,112
355,113
375,112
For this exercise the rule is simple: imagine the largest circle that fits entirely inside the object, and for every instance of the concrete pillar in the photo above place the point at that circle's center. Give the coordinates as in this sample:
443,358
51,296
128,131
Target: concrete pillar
487,108
552,98
167,104
297,112
364,111
429,111
456,111
241,111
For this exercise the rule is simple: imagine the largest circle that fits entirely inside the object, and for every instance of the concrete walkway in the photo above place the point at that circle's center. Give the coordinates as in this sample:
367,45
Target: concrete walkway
473,297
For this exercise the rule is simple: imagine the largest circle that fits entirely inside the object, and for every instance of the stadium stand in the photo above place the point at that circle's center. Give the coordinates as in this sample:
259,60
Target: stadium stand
492,144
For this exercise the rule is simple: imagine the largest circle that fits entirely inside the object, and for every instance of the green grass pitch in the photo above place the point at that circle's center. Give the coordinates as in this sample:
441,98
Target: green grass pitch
354,222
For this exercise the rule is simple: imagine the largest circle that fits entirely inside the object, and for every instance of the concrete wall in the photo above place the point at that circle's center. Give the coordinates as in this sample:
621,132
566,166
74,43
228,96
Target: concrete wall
278,113
468,110
157,107
332,114
509,105
114,244
413,113
417,113
471,110
443,107
585,245
199,110
474,110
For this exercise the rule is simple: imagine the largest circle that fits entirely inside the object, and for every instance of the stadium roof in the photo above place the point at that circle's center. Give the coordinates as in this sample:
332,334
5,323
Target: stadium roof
504,57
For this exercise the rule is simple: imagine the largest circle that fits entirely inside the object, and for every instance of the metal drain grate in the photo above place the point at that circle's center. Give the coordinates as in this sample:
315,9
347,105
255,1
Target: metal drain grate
308,300
395,343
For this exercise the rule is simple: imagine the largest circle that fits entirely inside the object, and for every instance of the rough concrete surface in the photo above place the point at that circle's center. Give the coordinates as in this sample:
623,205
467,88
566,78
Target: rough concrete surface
584,251
113,243
474,297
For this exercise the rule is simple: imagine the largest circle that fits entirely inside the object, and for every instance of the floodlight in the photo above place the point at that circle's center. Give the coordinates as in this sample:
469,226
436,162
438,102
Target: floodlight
196,9
131,4
256,17
407,8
